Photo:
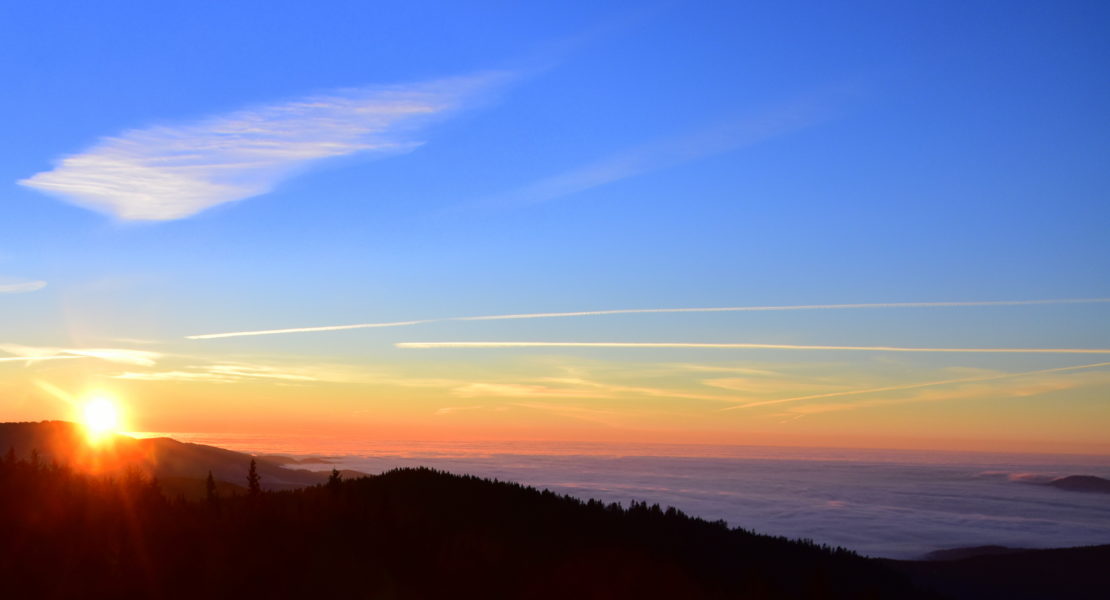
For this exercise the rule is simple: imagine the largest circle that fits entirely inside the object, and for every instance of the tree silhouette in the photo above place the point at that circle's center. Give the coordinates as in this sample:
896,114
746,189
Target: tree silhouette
254,486
210,488
334,480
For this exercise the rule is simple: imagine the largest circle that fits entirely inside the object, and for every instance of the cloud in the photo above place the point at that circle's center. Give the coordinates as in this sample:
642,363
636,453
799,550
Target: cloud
744,346
523,390
889,504
927,384
173,171
718,138
1010,389
179,376
446,410
749,385
211,336
35,358
21,287
725,369
235,372
581,413
610,388
141,358
633,311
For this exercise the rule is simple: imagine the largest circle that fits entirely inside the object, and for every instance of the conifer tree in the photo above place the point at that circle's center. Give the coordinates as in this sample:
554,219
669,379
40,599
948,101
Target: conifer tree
254,487
210,488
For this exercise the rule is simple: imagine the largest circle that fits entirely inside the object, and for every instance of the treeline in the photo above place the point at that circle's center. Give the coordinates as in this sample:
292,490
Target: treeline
408,533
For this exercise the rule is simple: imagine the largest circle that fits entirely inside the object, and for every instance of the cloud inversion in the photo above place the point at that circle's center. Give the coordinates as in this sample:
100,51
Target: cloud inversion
173,171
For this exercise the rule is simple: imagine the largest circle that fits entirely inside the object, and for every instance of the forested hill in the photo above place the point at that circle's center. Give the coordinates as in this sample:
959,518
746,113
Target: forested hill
403,534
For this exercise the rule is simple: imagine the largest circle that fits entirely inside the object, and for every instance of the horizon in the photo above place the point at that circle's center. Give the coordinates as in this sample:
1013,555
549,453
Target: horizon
862,226
892,504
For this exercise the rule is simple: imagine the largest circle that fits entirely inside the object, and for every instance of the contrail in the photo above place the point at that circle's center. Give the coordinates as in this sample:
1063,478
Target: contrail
210,336
912,386
634,311
631,311
744,346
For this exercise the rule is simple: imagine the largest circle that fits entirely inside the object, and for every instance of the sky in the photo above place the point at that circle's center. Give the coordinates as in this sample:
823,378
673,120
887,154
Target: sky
489,220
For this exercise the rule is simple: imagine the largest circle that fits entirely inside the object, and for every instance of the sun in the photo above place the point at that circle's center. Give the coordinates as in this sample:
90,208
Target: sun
100,416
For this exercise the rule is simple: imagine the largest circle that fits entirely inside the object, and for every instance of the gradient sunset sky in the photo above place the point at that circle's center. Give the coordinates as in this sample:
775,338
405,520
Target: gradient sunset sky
283,217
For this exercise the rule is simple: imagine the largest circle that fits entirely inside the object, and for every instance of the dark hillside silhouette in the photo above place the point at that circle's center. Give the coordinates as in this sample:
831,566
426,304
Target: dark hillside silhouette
404,534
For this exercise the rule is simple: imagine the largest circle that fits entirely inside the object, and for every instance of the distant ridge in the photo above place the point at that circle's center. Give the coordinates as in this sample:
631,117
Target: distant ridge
972,551
1014,574
1081,483
165,458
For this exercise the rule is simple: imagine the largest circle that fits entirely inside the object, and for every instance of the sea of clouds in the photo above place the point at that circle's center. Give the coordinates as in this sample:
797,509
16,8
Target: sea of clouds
894,504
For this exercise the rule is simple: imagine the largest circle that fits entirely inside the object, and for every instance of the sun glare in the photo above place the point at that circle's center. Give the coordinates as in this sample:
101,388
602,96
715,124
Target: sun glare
100,416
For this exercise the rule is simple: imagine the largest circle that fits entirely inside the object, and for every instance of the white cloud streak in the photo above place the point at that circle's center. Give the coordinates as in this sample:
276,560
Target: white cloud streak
21,287
35,358
911,386
745,346
634,311
140,358
220,373
212,336
174,171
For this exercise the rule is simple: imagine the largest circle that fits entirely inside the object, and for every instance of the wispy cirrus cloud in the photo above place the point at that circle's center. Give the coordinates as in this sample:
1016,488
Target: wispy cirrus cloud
141,358
1025,383
717,138
173,171
524,390
220,373
636,311
20,287
744,346
950,382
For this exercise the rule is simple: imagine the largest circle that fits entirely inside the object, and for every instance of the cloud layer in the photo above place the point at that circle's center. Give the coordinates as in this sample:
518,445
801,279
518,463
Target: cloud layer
890,504
174,171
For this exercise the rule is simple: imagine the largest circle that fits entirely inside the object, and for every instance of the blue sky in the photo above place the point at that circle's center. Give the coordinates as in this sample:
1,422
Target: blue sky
539,157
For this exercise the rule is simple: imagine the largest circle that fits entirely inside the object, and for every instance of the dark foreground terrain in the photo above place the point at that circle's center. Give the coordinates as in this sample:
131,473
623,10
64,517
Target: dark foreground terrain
403,534
152,527
1016,574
